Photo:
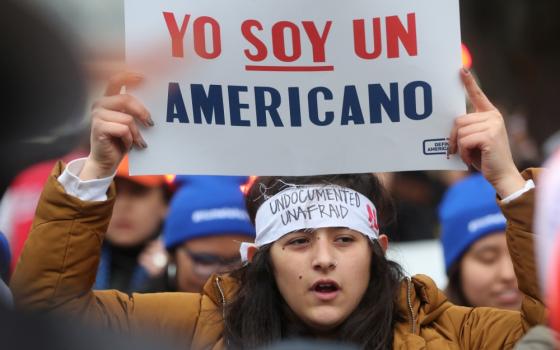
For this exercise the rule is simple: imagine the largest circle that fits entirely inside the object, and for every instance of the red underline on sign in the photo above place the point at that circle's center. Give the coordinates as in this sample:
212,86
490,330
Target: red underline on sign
289,68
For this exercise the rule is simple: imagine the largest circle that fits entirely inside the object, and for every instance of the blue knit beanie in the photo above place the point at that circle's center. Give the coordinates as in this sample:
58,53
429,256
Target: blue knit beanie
467,213
206,206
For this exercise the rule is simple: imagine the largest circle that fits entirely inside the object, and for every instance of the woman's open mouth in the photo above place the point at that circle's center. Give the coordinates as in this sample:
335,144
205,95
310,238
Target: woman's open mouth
325,289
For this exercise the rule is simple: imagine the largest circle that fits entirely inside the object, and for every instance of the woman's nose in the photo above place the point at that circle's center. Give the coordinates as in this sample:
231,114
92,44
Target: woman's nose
506,269
323,255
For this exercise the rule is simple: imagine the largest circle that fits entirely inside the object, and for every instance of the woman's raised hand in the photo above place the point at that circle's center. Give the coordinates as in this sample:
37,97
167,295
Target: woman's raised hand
481,140
113,127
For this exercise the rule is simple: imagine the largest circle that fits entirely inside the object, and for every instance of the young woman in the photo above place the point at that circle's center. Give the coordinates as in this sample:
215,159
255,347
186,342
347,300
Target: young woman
206,222
477,258
317,268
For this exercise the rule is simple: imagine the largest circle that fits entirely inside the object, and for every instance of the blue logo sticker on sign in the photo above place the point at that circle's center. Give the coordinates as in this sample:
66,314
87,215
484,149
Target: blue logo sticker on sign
435,146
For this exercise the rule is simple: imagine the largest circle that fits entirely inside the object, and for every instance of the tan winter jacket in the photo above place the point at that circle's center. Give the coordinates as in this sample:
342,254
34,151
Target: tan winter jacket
58,265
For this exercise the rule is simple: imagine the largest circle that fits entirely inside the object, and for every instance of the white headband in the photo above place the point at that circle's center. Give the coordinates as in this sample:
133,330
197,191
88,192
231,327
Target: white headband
312,206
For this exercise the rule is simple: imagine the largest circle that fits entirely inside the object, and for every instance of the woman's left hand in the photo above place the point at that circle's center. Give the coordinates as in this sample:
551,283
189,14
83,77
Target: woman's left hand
481,140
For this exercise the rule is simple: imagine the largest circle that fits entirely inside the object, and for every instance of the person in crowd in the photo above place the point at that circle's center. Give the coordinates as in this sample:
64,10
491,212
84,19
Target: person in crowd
538,338
317,268
416,195
547,227
18,204
27,33
477,259
207,221
5,255
133,257
38,65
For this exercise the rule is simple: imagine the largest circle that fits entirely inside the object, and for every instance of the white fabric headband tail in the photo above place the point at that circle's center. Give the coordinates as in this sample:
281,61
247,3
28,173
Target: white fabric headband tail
312,206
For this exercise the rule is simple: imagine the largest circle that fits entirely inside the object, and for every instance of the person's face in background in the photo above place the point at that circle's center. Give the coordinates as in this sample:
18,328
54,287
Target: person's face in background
487,275
199,258
137,214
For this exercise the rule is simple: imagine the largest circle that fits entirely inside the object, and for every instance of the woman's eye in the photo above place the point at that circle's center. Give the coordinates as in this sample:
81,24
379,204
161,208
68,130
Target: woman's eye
487,258
345,239
298,241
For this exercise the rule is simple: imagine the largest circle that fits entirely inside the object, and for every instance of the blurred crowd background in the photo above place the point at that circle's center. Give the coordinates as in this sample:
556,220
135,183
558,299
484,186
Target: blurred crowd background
513,50
57,68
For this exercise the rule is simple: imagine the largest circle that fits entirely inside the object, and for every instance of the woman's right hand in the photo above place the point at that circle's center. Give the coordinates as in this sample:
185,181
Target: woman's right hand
113,127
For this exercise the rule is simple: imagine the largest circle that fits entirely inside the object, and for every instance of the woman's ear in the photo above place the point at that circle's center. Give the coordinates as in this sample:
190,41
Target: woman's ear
383,242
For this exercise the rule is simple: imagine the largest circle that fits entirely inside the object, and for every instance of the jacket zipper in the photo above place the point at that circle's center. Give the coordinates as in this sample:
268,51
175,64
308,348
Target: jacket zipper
223,297
217,280
409,301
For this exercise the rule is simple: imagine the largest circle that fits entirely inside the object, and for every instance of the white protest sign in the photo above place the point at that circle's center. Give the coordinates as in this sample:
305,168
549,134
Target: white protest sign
295,87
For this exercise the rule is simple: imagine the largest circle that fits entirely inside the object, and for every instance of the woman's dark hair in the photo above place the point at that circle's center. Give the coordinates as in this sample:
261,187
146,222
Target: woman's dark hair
454,289
259,316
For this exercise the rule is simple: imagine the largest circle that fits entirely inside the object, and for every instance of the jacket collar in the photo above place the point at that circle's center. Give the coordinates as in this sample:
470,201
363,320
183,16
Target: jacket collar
420,301
220,289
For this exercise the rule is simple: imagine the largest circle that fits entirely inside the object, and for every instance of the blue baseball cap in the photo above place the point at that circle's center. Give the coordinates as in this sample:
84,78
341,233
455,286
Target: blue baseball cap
206,206
467,213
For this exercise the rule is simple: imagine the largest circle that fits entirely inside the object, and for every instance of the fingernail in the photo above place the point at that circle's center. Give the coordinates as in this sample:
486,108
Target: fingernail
136,78
150,121
466,71
142,143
